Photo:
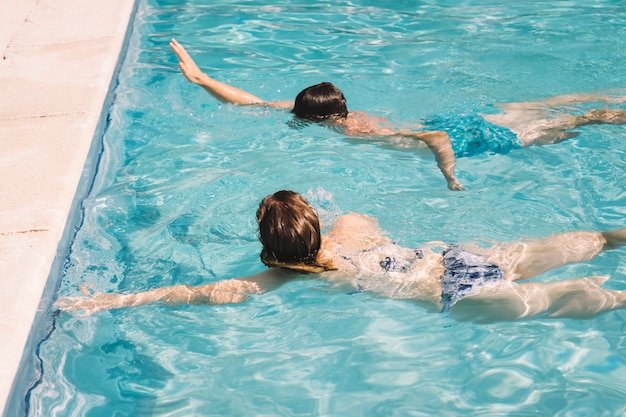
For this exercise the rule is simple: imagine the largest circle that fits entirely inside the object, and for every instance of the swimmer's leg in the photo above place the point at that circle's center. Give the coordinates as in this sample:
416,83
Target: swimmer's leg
561,129
601,116
616,97
524,260
545,122
506,301
614,238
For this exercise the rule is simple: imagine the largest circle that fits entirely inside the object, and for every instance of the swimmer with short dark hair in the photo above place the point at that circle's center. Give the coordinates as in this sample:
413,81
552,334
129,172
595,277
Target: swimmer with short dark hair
448,137
470,284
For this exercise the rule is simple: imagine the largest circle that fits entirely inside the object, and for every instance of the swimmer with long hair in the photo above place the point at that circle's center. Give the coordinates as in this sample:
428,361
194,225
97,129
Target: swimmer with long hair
469,284
448,137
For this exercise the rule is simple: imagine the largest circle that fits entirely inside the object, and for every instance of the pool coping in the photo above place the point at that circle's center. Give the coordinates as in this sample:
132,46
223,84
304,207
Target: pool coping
59,58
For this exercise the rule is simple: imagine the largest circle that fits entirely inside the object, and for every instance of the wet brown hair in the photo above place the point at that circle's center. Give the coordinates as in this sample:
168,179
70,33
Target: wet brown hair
290,232
319,102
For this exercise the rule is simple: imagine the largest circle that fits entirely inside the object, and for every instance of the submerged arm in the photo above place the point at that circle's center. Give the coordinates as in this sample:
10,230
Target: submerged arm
365,125
506,301
233,291
223,92
439,144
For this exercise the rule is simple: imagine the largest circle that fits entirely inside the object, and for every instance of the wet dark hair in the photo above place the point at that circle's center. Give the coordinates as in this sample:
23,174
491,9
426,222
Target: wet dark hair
319,102
290,232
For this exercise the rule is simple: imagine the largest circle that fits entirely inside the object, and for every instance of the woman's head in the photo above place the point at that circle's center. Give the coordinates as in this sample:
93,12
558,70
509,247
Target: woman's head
290,232
319,102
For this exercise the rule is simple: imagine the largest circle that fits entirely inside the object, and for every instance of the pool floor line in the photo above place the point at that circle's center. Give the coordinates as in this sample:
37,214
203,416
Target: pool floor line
58,60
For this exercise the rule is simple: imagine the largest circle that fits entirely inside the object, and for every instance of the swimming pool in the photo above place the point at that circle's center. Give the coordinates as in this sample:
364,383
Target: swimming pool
181,176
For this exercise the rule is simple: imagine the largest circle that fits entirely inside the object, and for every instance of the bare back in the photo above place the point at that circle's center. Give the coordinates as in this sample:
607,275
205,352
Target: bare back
370,261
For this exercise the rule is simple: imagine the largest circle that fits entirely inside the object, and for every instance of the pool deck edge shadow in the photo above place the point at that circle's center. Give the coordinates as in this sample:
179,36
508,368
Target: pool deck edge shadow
58,60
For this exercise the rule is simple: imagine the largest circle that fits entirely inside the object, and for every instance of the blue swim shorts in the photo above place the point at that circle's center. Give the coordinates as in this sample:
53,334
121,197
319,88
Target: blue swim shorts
464,273
471,134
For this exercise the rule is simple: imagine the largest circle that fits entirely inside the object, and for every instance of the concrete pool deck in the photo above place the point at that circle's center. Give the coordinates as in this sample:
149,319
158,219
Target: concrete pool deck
58,59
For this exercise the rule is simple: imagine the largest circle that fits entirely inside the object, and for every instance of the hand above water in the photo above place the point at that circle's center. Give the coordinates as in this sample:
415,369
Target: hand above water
187,65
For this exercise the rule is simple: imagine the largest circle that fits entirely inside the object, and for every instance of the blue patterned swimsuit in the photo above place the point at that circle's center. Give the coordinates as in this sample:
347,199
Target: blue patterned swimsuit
471,134
465,272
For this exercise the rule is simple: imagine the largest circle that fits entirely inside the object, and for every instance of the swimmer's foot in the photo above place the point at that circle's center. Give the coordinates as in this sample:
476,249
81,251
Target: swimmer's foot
615,238
604,116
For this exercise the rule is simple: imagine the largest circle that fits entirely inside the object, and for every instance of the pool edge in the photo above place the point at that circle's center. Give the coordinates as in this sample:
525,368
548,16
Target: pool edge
58,65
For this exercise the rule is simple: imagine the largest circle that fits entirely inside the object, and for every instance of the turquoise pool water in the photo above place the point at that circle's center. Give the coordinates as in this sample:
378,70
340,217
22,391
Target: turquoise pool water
181,175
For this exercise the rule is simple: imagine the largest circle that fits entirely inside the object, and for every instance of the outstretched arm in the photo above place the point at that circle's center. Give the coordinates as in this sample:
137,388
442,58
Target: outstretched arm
233,291
223,92
439,144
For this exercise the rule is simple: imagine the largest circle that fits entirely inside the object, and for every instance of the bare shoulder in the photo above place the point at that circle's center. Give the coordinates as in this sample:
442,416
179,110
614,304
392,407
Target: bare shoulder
364,124
355,221
357,231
